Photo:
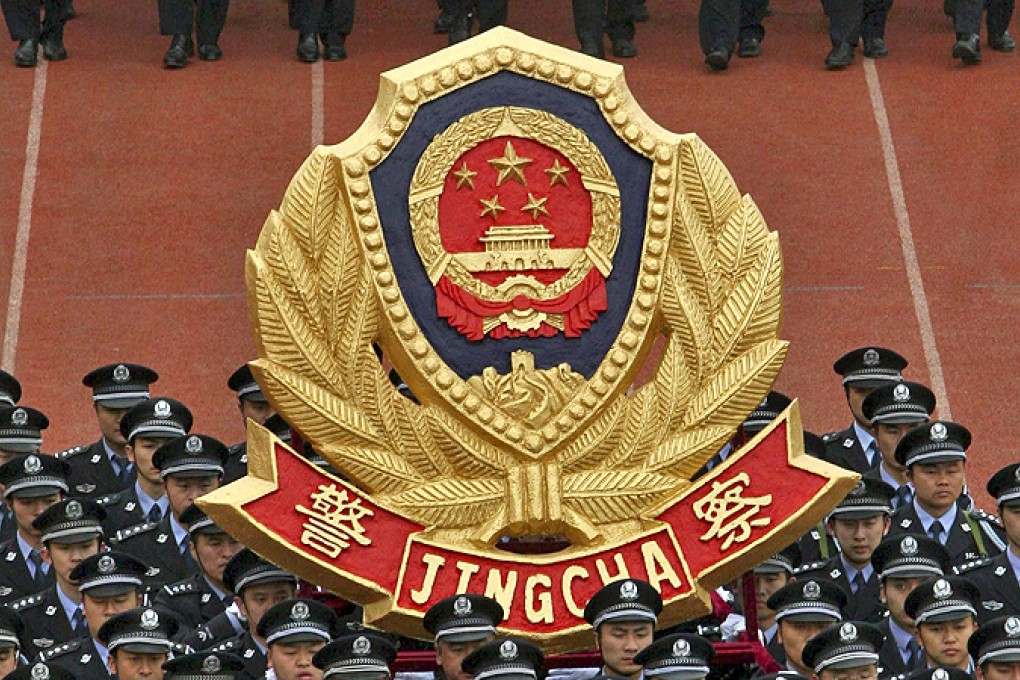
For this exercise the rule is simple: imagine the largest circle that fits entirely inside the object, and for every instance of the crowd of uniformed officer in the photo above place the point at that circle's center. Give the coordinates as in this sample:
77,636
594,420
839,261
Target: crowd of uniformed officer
108,567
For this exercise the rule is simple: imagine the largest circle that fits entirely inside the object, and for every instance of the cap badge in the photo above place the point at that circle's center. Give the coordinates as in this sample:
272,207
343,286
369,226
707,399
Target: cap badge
901,392
681,648
193,444
211,664
33,465
121,373
150,619
508,650
848,632
908,546
812,590
73,510
106,564
1016,474
939,433
162,409
19,417
361,646
462,606
940,674
942,589
858,489
871,358
40,671
628,590
299,612
1012,627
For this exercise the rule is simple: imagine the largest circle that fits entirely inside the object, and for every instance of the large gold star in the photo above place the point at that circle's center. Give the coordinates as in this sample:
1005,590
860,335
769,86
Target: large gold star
557,174
465,176
510,166
492,207
535,206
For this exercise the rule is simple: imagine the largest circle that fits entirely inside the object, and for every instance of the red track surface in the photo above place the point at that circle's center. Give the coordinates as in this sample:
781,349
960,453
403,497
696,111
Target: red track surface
151,184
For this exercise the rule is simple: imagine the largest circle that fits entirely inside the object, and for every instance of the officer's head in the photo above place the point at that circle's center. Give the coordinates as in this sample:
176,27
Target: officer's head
257,584
32,483
803,610
190,467
995,648
294,632
148,425
772,575
139,641
1004,487
11,628
902,563
861,520
460,624
623,616
251,401
115,389
935,455
211,546
944,610
848,651
865,369
892,411
71,532
110,583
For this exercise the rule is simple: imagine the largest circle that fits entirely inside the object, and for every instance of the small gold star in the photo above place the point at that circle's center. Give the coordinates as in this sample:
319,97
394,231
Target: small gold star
510,166
465,176
492,207
557,174
535,206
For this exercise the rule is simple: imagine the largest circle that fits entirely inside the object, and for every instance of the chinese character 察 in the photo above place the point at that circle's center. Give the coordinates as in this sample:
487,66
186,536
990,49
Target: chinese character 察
729,512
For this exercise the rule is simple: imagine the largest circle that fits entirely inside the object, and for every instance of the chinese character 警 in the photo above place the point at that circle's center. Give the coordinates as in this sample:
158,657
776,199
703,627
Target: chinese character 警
334,521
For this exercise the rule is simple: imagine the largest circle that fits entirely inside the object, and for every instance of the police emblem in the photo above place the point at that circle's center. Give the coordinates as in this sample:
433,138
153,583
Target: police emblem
211,664
512,234
106,564
1011,626
149,619
681,648
162,409
40,671
942,589
938,432
508,650
33,465
121,374
871,357
462,606
193,444
628,590
362,646
859,489
908,546
940,674
848,632
901,393
812,590
19,417
73,510
299,612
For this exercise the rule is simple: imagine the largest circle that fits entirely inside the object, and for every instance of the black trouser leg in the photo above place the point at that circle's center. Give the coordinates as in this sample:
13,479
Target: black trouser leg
337,20
308,15
211,16
491,13
620,19
968,17
176,17
589,20
54,18
875,14
1000,13
718,24
22,17
844,20
752,18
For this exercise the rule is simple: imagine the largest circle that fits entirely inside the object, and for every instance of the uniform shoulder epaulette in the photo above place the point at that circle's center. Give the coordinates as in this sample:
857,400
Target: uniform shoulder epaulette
829,436
181,588
980,514
234,449
27,602
810,566
60,650
227,645
71,452
110,499
971,566
136,530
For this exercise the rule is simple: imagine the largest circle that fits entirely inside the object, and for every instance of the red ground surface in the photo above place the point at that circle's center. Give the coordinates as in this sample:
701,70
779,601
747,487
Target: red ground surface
151,185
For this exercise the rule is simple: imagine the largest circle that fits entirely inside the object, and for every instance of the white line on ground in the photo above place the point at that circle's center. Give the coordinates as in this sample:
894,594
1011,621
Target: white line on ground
318,103
20,262
921,308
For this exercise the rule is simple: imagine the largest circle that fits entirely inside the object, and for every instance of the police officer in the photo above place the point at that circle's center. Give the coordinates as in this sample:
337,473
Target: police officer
623,616
460,624
995,648
862,371
71,532
592,18
769,577
361,656
40,671
10,389
505,659
139,642
859,523
20,432
944,610
902,562
190,466
22,17
934,456
998,578
851,20
803,609
31,484
205,665
181,18
11,631
490,13
252,403
102,467
850,646
330,21
676,657
294,631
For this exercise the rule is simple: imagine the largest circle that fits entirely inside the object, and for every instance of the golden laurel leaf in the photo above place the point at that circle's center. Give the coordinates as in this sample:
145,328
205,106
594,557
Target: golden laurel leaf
594,444
682,456
376,470
451,503
612,496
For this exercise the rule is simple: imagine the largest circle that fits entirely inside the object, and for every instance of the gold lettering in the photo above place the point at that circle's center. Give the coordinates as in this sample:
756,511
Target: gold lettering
432,564
467,570
621,569
729,512
657,566
569,574
502,592
544,612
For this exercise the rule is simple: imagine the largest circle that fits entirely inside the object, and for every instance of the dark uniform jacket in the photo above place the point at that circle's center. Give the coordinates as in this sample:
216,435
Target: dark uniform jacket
244,646
8,527
46,624
192,600
78,657
844,449
864,605
890,661
236,466
1000,591
122,510
817,545
960,542
92,473
15,578
219,628
155,544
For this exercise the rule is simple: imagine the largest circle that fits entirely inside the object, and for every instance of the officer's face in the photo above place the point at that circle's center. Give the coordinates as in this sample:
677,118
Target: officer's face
293,661
794,635
893,593
854,399
764,586
996,670
1010,516
27,509
8,660
619,643
134,666
213,551
257,599
258,411
869,672
182,491
450,655
945,643
888,436
109,423
937,485
140,452
99,610
859,537
65,557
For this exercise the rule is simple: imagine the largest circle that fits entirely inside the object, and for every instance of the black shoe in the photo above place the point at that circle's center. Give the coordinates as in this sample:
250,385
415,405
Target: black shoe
53,49
593,49
69,12
718,59
641,14
181,49
750,48
210,52
1002,43
460,31
968,49
443,23
27,54
335,50
841,56
623,48
308,48
875,48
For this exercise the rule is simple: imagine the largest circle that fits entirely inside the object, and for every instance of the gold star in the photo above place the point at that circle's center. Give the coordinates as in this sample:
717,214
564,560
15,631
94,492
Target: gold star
557,174
510,166
492,207
465,176
535,206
